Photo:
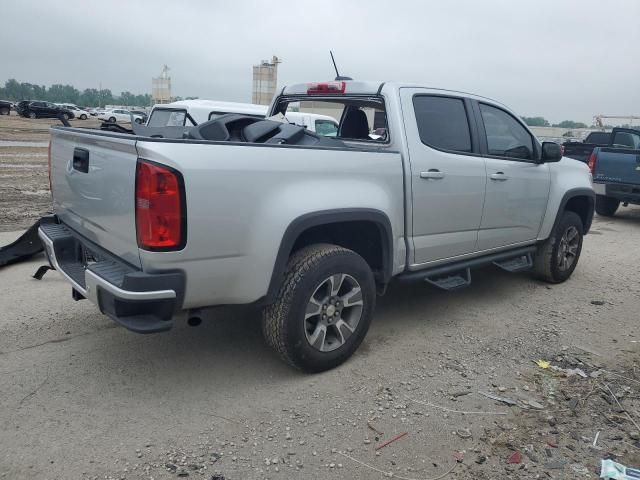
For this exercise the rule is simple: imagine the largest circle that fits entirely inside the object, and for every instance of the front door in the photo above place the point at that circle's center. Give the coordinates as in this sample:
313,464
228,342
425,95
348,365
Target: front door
447,174
517,184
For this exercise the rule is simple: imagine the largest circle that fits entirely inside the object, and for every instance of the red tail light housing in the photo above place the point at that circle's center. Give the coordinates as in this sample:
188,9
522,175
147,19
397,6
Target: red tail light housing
593,160
160,207
49,163
322,88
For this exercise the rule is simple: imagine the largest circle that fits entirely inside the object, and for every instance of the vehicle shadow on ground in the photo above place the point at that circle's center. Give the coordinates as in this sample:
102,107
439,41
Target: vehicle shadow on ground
229,343
624,216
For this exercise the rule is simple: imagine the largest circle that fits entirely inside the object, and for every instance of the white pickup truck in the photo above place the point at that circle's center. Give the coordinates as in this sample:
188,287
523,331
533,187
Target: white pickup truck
419,184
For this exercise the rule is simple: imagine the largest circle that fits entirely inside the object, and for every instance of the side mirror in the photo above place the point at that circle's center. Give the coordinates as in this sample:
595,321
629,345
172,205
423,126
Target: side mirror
551,152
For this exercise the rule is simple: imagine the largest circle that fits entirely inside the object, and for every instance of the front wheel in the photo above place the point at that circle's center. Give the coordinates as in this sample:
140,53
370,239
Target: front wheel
323,309
558,256
112,119
32,115
65,116
83,117
606,206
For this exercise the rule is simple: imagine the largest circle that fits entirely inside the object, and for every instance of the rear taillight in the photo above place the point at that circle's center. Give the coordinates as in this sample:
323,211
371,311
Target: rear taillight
49,162
593,160
160,207
326,88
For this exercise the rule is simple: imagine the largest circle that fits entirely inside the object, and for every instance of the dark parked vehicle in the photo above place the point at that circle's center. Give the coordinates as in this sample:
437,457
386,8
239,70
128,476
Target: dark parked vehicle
5,107
30,109
582,150
142,114
616,171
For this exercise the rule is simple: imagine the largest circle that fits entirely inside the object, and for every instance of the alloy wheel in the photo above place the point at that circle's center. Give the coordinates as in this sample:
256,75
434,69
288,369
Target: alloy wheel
568,248
333,312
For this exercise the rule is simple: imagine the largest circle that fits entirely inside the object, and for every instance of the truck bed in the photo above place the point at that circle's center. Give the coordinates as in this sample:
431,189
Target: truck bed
237,198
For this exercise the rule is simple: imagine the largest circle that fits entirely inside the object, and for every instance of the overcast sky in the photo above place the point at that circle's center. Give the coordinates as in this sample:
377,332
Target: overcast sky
562,59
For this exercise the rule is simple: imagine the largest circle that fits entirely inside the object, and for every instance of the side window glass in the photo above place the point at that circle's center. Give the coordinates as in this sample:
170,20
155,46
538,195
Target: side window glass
326,128
506,137
167,118
626,140
443,123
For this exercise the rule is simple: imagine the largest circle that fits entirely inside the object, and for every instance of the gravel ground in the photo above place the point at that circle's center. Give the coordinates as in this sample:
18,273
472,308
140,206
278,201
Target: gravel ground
85,399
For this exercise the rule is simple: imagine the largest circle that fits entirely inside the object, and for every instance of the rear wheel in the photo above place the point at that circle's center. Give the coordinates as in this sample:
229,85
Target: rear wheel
65,116
323,309
138,121
558,256
32,115
606,206
112,119
83,117
5,111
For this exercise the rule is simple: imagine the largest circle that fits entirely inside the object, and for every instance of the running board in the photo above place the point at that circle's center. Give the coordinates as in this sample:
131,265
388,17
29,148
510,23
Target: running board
457,275
516,264
452,281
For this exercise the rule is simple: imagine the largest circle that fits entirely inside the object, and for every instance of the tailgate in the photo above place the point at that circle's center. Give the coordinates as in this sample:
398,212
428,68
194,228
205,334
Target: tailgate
93,184
618,165
578,151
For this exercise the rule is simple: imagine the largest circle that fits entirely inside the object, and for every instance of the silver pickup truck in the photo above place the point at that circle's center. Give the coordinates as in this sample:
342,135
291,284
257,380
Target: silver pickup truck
154,225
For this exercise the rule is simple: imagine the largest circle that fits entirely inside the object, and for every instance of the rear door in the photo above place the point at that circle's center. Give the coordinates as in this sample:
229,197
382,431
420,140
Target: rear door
517,185
448,174
93,183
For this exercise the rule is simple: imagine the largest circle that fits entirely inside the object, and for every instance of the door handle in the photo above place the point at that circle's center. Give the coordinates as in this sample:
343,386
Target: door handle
499,176
81,160
433,174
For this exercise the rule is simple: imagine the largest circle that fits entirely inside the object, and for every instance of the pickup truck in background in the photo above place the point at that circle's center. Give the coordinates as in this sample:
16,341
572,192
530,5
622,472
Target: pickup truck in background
157,224
5,107
616,171
582,150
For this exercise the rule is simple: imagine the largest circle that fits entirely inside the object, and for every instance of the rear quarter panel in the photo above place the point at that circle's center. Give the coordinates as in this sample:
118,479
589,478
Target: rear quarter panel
241,199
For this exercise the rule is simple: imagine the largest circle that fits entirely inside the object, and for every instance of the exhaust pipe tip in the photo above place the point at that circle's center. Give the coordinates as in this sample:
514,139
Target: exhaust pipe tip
194,321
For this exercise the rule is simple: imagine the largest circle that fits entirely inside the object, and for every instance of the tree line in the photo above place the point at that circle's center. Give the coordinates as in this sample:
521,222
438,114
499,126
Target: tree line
543,122
58,93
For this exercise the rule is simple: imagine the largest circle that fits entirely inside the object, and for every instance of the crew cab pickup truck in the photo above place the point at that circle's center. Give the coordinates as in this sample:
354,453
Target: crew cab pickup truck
156,225
616,171
582,150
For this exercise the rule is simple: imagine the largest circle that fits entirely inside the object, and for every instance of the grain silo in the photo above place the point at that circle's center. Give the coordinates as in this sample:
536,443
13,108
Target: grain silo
265,79
161,87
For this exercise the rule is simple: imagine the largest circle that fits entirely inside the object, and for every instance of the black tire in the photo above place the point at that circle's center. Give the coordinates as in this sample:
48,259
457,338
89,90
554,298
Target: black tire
112,119
65,116
83,117
606,206
138,120
547,265
5,111
32,115
284,323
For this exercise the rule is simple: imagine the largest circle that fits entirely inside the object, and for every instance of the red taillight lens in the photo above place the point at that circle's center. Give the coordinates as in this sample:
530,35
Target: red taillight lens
593,159
327,87
160,207
49,162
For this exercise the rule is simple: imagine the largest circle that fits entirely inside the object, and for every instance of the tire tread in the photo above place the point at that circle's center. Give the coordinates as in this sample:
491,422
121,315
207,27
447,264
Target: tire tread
274,315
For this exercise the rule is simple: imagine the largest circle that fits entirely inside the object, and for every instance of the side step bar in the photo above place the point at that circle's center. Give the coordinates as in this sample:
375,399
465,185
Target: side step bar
516,264
458,275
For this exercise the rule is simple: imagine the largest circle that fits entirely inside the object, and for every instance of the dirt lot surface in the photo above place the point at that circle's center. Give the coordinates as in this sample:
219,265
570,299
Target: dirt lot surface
83,398
24,184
